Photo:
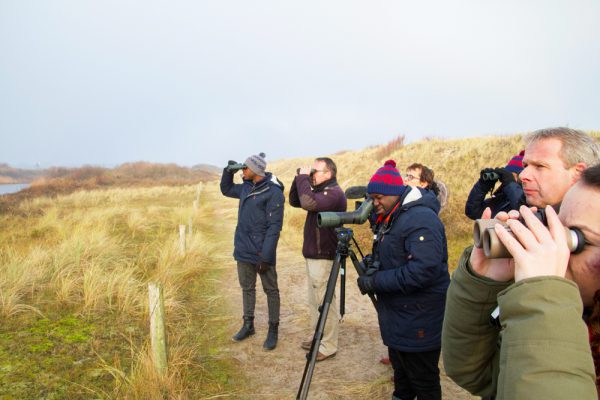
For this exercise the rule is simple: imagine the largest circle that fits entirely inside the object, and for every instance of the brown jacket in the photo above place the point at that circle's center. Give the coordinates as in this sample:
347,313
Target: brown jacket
320,243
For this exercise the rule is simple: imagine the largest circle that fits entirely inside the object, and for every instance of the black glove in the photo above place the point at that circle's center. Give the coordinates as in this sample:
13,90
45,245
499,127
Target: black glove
262,267
366,263
506,176
365,283
233,166
486,178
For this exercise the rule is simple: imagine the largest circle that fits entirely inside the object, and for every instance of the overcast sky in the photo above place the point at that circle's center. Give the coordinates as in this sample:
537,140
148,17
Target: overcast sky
106,82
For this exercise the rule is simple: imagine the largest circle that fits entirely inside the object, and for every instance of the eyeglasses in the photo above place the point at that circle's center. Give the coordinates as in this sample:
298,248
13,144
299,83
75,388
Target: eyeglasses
410,177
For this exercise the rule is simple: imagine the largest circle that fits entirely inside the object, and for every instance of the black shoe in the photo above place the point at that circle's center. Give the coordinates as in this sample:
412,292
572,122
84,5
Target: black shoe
271,341
246,331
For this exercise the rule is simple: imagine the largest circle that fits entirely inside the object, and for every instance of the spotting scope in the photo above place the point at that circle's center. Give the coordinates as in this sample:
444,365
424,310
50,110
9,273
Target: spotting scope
331,219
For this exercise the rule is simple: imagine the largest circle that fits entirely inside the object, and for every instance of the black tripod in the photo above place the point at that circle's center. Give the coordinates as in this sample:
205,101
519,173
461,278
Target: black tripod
344,235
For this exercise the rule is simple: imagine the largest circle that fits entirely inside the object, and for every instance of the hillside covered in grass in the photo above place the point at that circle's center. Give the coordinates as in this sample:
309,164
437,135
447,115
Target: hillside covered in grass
74,270
455,162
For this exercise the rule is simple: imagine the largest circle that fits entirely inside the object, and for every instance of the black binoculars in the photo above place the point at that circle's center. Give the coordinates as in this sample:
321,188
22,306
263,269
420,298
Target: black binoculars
489,176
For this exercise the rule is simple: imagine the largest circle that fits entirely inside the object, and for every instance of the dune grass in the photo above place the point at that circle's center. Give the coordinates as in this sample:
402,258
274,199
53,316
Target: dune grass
73,296
74,271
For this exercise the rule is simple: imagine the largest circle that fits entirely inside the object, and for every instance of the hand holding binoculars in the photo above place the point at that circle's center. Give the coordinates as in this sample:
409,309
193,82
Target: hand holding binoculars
233,166
484,236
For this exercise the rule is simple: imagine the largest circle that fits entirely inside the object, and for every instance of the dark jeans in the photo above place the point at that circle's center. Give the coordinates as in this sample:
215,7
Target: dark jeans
247,276
416,374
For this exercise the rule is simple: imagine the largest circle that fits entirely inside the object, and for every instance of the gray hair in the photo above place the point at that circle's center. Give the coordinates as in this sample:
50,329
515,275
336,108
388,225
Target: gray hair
577,146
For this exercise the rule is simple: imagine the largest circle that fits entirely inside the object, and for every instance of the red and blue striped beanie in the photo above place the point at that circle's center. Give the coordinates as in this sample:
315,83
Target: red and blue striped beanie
387,180
516,163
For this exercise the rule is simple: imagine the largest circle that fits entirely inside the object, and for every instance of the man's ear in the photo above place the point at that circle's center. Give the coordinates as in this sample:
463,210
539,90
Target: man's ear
578,170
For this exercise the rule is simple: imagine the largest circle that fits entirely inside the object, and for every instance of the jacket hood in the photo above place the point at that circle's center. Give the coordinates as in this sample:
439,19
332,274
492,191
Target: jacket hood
275,181
270,180
416,196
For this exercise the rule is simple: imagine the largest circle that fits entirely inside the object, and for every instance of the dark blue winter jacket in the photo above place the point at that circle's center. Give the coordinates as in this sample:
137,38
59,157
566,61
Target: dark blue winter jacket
506,198
413,277
260,216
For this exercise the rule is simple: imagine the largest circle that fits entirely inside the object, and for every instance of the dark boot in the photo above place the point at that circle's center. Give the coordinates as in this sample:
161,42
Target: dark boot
271,341
246,331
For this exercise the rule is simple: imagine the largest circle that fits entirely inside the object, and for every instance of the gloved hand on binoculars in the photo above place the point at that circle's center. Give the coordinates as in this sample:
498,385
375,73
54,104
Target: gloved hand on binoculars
365,282
262,267
484,178
506,176
233,166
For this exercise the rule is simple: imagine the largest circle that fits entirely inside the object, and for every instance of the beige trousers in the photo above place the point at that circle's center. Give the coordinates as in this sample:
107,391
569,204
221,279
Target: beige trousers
317,272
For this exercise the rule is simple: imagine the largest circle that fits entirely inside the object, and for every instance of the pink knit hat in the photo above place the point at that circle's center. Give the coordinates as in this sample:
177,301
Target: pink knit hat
387,180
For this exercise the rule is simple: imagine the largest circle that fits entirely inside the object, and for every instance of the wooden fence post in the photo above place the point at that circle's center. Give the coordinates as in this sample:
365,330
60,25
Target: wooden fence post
195,204
182,239
158,338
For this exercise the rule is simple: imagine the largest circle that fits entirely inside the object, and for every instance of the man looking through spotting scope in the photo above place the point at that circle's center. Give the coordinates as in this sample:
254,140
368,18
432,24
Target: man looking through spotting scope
408,272
315,190
260,216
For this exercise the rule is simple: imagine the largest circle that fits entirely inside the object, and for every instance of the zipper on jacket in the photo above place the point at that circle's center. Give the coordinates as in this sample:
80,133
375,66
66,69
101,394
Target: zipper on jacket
318,241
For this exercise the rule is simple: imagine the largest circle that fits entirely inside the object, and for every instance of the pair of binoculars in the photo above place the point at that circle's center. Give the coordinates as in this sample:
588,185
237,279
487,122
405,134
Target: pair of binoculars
312,171
484,236
489,176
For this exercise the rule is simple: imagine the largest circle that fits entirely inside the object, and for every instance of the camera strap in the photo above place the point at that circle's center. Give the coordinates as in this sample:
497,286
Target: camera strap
383,225
387,218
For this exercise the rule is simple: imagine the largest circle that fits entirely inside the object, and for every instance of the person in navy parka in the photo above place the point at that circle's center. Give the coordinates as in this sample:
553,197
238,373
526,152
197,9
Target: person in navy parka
409,276
509,196
260,217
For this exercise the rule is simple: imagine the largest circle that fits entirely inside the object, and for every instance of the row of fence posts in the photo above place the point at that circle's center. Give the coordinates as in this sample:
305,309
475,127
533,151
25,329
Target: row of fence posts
158,336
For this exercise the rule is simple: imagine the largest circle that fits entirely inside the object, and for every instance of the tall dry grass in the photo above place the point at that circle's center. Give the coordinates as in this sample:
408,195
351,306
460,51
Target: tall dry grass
92,254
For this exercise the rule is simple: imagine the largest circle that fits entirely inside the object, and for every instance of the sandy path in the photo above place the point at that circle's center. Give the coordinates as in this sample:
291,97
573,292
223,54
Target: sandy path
354,373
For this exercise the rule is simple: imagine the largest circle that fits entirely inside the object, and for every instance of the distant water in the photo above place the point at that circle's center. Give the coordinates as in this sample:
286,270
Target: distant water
12,188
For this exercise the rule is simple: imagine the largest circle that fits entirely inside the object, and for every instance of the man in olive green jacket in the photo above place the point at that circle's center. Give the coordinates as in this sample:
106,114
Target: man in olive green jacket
542,349
543,335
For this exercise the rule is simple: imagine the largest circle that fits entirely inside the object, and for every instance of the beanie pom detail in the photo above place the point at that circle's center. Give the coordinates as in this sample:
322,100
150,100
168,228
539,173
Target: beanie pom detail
390,163
263,155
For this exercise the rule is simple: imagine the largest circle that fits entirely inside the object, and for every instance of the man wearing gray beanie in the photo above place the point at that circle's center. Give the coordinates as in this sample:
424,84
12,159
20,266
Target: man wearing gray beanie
260,217
257,164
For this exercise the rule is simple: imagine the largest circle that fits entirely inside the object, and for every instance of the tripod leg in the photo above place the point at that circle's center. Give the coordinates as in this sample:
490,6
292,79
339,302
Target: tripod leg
311,357
342,288
360,271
